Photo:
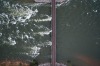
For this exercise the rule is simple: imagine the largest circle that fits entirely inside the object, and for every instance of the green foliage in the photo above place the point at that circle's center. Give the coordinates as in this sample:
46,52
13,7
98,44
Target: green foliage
34,63
69,63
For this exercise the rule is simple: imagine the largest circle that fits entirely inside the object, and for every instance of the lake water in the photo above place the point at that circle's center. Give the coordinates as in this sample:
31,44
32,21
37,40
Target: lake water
25,31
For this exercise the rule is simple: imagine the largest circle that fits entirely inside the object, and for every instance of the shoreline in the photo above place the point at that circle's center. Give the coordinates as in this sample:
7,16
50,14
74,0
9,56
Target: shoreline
24,63
13,63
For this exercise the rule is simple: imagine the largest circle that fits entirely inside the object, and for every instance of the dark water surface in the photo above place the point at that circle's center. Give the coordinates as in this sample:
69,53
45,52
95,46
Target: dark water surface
78,32
25,29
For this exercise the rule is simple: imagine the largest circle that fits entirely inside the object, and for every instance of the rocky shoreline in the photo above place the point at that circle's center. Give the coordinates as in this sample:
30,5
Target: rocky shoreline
13,63
25,63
